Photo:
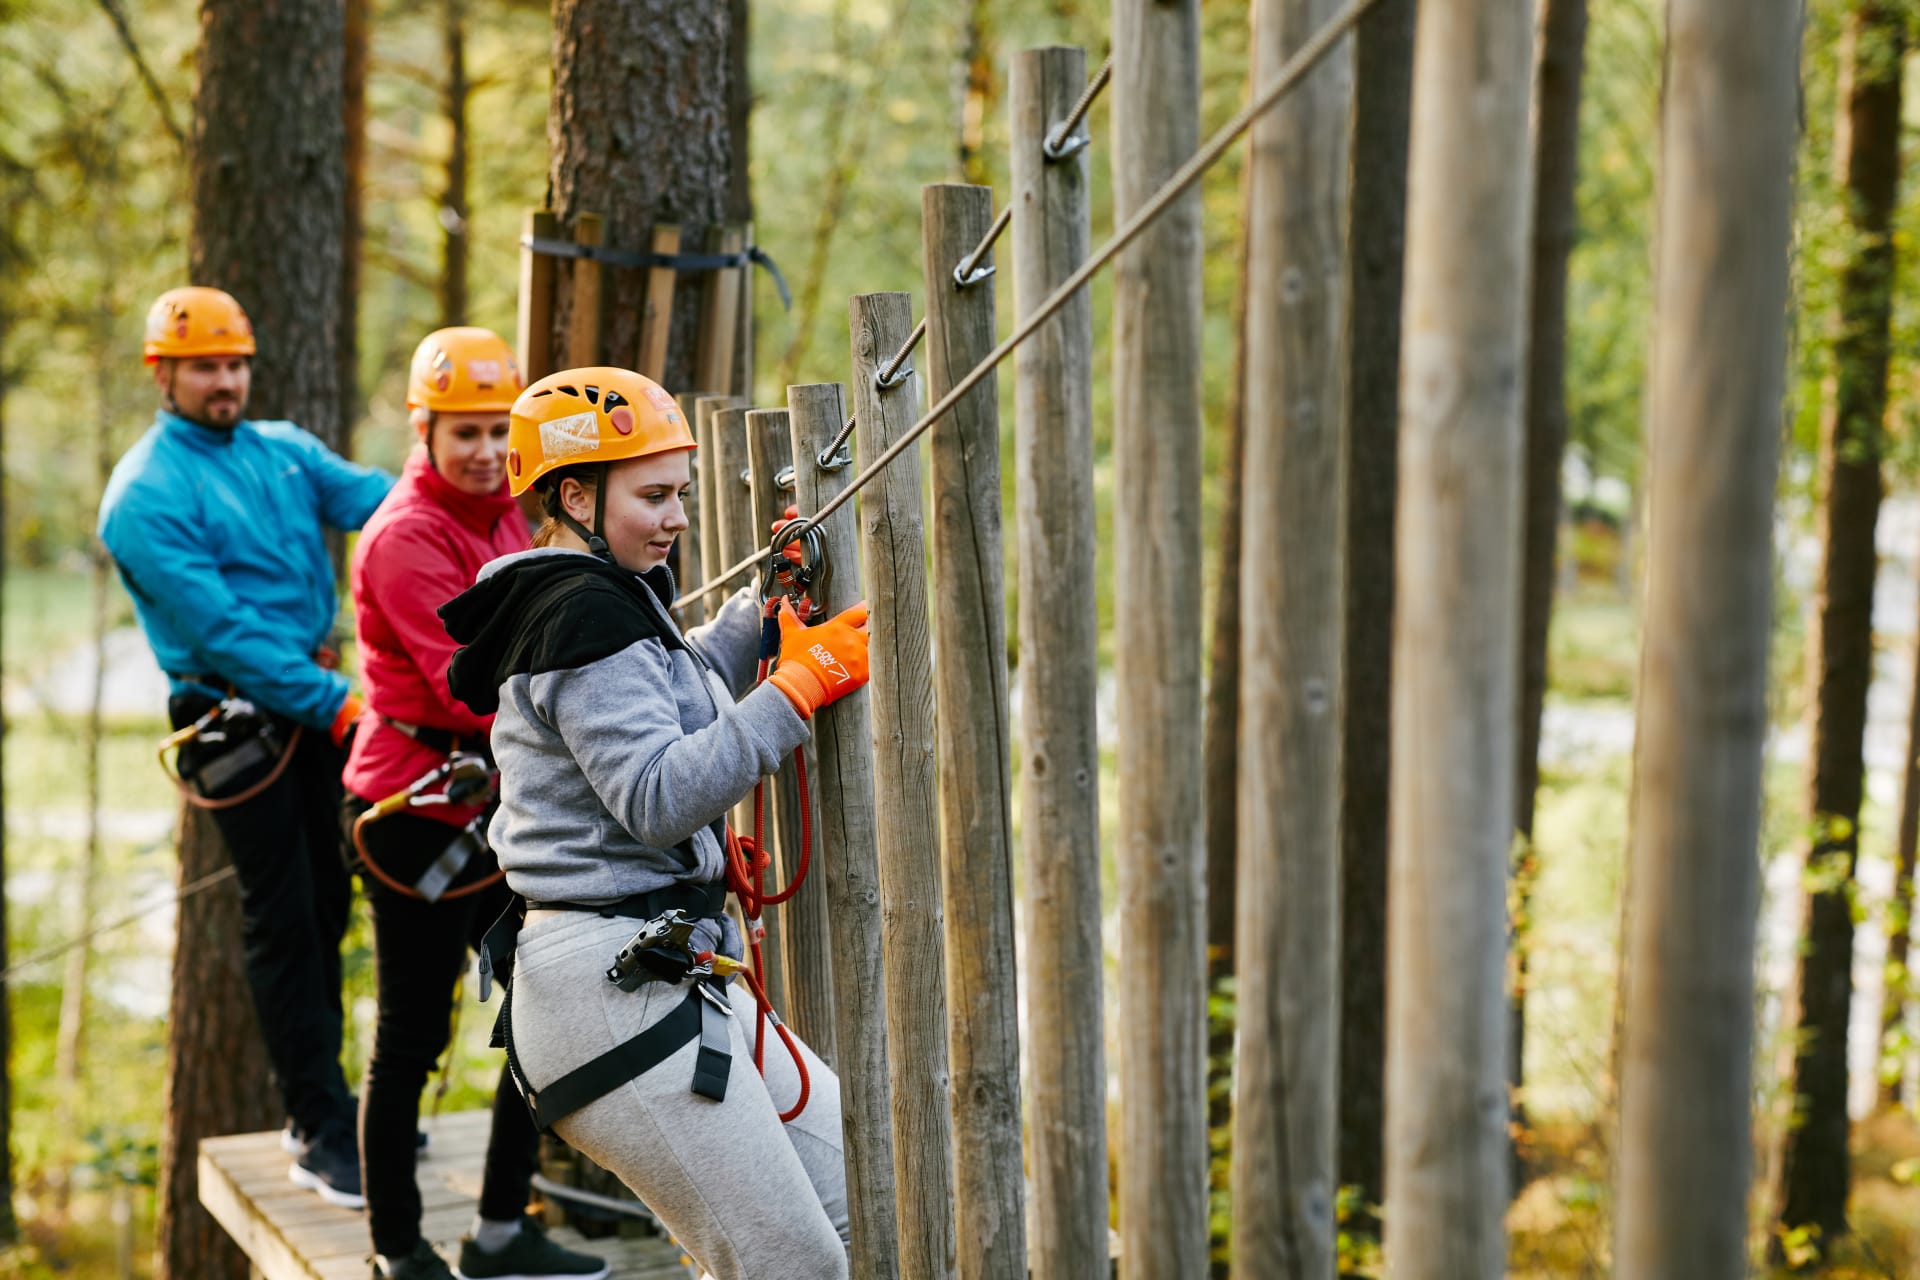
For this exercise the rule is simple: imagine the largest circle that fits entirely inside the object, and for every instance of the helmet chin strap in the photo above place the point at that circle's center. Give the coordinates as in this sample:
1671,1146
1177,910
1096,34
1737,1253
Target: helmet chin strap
596,545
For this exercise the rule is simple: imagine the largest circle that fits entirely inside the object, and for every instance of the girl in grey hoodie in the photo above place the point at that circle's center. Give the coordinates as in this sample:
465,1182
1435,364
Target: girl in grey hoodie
622,743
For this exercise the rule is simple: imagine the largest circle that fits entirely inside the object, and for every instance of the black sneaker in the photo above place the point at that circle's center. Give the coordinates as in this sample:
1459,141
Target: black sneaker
529,1256
293,1140
330,1165
421,1263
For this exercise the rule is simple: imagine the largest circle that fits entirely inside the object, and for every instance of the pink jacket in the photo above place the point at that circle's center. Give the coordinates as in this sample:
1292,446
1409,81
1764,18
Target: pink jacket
422,548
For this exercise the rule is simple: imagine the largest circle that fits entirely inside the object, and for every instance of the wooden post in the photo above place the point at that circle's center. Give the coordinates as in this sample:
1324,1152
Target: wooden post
533,338
583,332
656,317
743,338
1059,672
1287,891
805,936
1455,639
901,699
688,544
843,787
1156,395
975,742
733,504
712,545
1713,432
719,319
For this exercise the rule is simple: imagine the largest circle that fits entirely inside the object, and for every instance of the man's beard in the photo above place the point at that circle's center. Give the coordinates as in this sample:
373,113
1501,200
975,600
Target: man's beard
210,413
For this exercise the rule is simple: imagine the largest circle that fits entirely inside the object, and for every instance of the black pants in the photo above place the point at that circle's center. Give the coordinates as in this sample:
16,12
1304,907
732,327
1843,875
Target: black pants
420,950
295,896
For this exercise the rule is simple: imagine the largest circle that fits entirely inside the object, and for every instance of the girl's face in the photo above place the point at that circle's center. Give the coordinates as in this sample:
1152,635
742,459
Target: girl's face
469,449
645,507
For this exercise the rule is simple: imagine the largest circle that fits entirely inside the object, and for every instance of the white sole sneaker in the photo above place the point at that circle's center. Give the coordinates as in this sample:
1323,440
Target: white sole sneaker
345,1199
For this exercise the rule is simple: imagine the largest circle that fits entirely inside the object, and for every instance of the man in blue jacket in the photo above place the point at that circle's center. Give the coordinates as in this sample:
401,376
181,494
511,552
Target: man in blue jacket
215,522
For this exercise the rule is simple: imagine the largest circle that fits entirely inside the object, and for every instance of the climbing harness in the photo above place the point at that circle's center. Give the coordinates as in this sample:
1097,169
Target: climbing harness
462,779
661,949
239,738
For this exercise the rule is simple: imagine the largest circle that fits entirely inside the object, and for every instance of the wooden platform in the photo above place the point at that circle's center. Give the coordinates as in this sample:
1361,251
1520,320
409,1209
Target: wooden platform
292,1234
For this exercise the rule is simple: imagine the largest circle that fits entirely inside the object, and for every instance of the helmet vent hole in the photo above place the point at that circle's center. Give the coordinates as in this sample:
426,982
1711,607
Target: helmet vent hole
572,391
593,395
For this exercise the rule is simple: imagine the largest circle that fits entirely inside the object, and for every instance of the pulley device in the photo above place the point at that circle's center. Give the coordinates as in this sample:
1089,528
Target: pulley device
462,779
231,740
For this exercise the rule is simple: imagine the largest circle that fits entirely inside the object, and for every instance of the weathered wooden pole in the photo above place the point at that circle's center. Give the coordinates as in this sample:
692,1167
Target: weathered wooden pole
975,744
1156,446
1713,433
688,544
1059,672
712,546
533,329
893,551
656,312
1287,893
843,783
1455,639
583,331
740,537
720,319
806,940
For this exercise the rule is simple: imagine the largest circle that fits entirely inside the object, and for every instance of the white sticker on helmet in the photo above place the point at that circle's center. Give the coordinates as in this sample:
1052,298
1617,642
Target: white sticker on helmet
564,437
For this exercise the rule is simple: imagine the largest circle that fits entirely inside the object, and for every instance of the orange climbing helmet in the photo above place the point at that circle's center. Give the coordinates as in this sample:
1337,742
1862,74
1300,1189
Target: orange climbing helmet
463,370
598,414
196,321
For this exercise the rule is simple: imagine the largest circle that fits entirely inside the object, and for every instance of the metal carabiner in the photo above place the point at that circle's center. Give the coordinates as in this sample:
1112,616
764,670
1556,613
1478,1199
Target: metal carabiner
790,579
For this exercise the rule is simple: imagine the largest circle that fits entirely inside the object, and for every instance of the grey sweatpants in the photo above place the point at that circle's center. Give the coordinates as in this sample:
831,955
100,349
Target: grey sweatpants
748,1197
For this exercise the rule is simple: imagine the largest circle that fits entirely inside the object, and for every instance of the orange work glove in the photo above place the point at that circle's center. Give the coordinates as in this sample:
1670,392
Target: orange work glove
821,664
344,720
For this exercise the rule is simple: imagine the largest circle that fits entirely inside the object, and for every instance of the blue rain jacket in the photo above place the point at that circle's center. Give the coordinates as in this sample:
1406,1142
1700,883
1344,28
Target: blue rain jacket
218,537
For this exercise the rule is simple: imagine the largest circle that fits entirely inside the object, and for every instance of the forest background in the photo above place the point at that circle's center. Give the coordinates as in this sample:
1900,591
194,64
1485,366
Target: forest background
856,103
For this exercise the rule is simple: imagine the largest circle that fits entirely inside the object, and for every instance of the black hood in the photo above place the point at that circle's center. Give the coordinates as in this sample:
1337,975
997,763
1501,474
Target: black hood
550,611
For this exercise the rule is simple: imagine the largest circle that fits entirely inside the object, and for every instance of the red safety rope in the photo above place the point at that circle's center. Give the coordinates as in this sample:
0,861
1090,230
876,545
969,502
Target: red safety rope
746,877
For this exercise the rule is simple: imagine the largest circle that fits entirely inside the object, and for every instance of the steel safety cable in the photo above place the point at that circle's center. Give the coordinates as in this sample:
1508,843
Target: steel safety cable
1303,60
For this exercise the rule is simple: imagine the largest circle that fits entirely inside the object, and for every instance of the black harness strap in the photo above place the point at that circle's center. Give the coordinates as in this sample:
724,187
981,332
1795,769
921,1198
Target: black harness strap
677,261
702,1014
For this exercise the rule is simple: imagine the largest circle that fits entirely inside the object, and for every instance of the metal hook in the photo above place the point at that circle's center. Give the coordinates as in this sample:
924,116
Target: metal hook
1067,147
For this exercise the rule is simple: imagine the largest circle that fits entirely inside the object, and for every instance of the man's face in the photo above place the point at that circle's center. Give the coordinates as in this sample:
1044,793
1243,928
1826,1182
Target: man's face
210,390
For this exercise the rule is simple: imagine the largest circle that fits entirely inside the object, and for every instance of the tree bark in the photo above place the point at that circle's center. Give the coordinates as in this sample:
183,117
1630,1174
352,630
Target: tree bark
638,158
1456,632
1556,154
1815,1169
973,95
454,214
1899,984
1382,107
268,197
1713,432
1287,891
353,228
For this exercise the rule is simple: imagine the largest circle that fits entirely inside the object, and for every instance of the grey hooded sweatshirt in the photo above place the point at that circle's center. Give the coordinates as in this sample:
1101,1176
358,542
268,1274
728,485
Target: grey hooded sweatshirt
619,740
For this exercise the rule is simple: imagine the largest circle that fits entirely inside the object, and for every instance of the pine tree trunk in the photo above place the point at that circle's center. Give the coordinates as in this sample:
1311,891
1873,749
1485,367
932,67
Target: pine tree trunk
1556,153
1382,105
1899,986
637,158
353,232
269,196
454,213
1815,1171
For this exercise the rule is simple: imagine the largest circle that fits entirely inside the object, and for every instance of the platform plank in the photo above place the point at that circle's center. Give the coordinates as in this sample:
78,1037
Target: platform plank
292,1234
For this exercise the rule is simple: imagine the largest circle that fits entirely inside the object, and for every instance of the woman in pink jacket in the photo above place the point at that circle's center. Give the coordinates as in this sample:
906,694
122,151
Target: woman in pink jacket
432,884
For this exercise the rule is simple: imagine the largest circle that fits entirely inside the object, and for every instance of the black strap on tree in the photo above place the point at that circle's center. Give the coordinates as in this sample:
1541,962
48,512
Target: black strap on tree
752,254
